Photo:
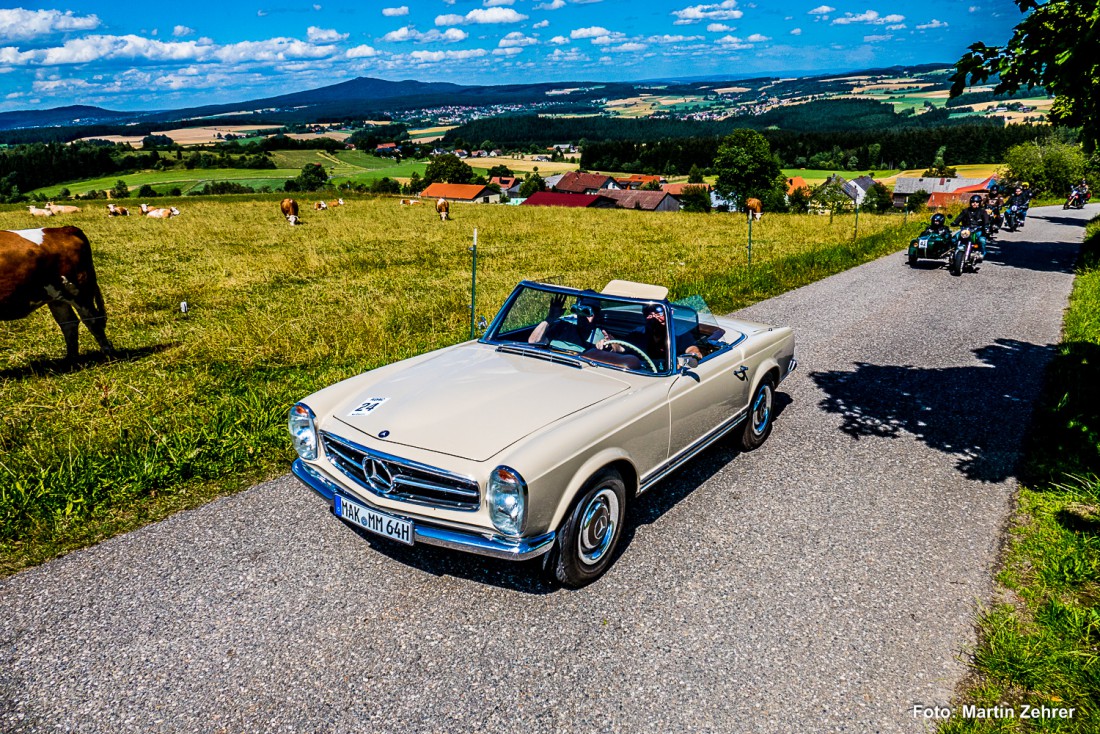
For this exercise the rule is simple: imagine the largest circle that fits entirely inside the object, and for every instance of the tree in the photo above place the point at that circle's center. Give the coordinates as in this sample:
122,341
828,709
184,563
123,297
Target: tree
152,142
121,190
695,175
146,192
695,199
830,195
877,199
448,168
939,168
746,168
532,182
312,178
416,184
916,201
1053,47
798,201
1050,166
650,186
499,170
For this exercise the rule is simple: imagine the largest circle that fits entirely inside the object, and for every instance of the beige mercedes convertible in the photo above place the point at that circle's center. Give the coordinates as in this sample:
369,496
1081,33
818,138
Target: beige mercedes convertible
532,440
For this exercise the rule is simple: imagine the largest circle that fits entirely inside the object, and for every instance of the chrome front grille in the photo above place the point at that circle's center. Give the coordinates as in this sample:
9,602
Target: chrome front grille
389,476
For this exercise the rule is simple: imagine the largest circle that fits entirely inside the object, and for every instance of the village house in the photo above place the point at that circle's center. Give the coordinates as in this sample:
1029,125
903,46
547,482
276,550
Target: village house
508,184
637,181
677,189
461,193
650,201
575,182
906,185
583,201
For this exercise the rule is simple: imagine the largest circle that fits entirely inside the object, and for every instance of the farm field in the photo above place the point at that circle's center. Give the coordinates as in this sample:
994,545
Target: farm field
195,404
188,135
815,176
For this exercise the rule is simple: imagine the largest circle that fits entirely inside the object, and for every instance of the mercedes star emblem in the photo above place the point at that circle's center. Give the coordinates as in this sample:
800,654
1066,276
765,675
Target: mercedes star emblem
378,475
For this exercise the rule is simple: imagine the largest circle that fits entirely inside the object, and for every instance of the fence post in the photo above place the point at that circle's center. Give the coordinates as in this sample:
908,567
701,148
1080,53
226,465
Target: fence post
856,233
473,284
750,243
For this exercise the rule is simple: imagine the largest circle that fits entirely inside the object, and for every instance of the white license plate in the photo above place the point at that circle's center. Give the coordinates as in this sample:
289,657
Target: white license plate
376,522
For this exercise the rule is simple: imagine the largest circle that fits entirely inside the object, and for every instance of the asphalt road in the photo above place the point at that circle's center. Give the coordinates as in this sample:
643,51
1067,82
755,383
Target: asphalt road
826,582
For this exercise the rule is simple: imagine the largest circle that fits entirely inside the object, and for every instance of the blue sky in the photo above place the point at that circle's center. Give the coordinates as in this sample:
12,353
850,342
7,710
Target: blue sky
199,52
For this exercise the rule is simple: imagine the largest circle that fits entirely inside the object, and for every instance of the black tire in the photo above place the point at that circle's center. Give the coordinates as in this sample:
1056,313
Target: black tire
758,423
912,261
956,265
587,539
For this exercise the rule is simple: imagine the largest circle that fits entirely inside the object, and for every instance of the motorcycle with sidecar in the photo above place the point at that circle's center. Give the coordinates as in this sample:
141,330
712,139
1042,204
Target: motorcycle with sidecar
966,255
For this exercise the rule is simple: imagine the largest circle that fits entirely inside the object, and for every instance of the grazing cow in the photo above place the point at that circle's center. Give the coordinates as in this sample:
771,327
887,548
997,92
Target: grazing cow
62,209
443,208
338,202
410,202
163,213
36,212
52,267
320,205
754,209
117,211
289,208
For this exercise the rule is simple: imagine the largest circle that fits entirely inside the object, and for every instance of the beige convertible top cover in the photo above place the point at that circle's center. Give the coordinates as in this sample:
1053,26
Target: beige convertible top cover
635,290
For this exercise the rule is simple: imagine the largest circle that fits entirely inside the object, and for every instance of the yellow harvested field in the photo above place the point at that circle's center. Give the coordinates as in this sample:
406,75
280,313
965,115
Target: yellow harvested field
313,136
892,85
525,165
974,170
186,135
732,90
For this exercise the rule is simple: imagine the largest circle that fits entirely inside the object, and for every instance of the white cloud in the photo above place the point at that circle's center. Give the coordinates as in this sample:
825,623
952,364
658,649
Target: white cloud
495,3
666,38
409,33
590,32
510,51
932,24
895,27
182,30
877,38
796,31
18,24
482,15
516,40
324,35
720,11
361,52
395,12
432,57
556,5
561,56
720,28
868,16
758,38
541,24
559,40
821,10
733,43
630,47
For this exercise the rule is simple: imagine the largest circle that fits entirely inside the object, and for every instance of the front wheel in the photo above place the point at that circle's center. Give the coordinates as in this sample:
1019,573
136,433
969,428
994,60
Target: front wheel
587,540
912,261
956,266
758,425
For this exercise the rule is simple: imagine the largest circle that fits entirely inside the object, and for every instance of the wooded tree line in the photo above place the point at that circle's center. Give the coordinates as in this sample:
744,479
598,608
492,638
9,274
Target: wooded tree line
854,150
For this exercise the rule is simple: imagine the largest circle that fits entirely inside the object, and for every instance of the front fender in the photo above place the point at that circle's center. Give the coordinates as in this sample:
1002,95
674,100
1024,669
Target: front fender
586,471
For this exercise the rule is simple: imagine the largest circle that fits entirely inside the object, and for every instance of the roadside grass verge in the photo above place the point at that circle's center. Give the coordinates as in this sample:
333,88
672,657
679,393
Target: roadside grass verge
194,406
1040,645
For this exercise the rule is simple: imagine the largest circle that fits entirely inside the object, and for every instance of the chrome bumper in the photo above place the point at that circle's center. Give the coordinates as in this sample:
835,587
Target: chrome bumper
493,546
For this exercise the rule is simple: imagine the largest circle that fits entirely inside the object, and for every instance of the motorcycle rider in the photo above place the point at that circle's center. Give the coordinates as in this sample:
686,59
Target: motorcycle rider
1025,202
994,204
938,226
976,219
1020,200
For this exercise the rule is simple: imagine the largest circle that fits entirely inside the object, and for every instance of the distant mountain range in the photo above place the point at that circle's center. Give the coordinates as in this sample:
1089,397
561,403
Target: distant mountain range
363,96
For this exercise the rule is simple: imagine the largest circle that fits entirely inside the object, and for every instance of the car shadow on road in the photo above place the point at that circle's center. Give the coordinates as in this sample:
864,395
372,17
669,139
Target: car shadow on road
526,577
977,414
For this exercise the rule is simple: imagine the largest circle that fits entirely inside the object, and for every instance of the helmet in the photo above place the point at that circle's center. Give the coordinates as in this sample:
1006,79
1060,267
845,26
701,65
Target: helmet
938,219
1019,190
976,199
1024,184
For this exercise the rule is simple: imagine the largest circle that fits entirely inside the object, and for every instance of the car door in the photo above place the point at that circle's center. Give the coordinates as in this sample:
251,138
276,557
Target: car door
704,398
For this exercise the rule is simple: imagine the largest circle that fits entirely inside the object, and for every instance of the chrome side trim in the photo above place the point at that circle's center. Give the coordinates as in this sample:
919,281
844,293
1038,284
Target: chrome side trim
675,462
790,368
492,546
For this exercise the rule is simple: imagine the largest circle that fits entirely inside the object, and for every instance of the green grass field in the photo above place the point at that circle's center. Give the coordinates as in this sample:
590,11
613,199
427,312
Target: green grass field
815,176
195,406
349,165
1038,646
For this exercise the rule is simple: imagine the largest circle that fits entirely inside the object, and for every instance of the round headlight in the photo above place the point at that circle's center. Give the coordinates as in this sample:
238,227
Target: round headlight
507,500
303,432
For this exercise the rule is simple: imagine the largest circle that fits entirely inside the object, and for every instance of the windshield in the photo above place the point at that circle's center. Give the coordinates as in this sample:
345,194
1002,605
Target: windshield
618,332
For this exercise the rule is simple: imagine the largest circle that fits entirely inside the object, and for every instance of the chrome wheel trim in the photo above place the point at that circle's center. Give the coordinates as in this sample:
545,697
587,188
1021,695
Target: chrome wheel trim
762,409
597,528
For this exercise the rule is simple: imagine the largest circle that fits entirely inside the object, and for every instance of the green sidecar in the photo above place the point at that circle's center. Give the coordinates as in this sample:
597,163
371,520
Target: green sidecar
931,246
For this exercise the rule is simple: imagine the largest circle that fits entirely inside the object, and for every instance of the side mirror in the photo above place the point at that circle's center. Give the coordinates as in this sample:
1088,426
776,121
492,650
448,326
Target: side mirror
482,324
687,362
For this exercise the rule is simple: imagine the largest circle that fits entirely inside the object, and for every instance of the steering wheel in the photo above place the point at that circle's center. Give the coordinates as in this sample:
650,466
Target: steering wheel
636,350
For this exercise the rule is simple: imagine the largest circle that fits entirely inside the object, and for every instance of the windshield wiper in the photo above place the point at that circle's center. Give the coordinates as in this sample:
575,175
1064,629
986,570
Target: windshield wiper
539,353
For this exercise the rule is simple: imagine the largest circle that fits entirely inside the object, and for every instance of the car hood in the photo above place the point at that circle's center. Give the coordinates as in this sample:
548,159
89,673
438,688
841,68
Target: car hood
472,401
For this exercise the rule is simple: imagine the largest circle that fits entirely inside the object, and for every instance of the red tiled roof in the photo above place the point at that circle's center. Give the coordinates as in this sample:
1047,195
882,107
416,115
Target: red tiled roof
504,182
555,198
646,200
577,182
466,192
794,183
678,188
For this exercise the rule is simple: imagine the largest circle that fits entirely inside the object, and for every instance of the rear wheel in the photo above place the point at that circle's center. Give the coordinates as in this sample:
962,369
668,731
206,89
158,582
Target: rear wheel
758,425
586,541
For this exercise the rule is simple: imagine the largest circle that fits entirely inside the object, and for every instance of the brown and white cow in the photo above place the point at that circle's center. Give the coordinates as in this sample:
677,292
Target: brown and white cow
36,212
52,267
163,213
443,208
754,209
319,206
62,208
117,211
289,208
338,202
